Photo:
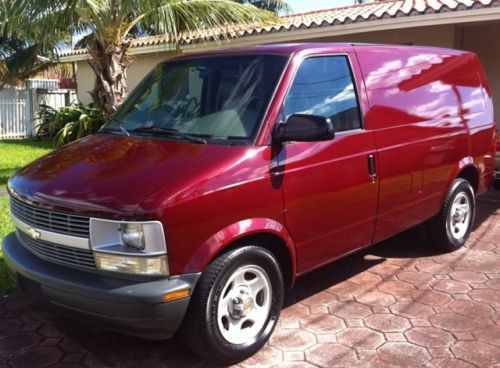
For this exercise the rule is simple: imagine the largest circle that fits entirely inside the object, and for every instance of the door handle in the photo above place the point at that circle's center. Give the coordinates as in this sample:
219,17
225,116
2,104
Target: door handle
371,167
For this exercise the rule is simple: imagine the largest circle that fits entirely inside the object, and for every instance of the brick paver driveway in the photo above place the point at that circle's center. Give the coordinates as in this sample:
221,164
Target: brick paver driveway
396,304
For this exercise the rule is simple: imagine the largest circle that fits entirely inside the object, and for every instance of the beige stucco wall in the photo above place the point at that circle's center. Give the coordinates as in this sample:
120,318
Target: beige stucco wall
484,40
441,36
140,66
84,82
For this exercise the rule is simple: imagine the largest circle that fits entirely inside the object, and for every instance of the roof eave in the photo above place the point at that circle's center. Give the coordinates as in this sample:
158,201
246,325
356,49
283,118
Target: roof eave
421,20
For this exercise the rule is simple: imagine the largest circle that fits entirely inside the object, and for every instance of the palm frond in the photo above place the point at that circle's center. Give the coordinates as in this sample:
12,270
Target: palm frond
276,6
211,19
3,69
31,36
20,61
113,23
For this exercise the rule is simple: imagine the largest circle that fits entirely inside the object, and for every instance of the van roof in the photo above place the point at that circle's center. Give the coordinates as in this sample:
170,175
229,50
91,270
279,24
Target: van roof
291,48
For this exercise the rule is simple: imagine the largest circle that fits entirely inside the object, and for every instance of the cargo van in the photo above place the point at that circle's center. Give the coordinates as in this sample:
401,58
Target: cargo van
226,175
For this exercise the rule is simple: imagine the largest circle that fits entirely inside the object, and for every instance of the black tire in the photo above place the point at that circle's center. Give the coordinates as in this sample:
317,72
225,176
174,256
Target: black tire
201,329
441,231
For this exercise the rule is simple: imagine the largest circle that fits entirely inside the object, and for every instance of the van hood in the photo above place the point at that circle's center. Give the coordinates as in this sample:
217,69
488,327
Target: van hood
109,176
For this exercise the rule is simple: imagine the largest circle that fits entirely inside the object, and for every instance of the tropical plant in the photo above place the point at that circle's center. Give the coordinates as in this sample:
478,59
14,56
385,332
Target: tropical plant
271,5
113,23
69,123
25,50
20,60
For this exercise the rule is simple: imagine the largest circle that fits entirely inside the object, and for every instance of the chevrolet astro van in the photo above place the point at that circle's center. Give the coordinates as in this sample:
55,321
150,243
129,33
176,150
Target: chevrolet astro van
226,175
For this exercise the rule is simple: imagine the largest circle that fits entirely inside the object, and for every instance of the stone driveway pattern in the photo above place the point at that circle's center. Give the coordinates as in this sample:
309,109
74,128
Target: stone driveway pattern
399,303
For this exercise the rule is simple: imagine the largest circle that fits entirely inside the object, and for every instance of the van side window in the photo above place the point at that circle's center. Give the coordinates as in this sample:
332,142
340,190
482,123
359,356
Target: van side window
324,86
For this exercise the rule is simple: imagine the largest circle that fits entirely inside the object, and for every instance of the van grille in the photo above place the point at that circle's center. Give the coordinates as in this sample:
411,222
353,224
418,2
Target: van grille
58,253
48,220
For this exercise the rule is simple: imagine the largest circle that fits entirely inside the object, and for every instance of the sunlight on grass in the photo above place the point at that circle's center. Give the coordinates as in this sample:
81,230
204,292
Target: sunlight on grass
14,154
6,227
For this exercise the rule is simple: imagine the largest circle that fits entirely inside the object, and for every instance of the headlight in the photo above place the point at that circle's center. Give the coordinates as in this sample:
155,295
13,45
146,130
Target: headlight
132,235
132,264
129,246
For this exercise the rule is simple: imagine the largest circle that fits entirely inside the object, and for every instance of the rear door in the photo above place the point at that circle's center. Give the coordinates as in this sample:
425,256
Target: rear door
329,194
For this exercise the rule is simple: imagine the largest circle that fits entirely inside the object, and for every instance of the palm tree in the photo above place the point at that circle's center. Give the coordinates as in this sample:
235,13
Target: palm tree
113,23
275,6
21,57
20,60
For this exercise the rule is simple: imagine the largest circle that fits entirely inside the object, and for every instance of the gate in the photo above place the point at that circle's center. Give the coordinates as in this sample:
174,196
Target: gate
19,109
13,113
56,98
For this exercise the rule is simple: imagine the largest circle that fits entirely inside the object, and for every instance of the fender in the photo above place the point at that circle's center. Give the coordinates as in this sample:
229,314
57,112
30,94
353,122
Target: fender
462,164
213,246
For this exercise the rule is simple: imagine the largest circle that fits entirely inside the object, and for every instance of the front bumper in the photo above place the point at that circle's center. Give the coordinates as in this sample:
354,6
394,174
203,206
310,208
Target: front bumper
128,306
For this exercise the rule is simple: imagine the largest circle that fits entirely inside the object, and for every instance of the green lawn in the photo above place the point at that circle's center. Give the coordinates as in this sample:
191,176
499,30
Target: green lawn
14,154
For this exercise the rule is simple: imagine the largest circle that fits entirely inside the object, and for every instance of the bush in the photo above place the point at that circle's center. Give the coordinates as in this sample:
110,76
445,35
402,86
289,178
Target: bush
69,123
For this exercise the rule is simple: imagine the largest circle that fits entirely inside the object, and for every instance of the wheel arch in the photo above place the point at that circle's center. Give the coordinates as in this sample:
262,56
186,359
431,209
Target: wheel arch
470,173
266,233
275,245
465,169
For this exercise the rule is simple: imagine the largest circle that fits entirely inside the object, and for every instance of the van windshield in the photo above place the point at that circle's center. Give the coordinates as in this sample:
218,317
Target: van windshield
202,99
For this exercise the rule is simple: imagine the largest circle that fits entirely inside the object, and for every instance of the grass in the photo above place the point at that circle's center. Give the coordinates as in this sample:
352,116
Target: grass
14,154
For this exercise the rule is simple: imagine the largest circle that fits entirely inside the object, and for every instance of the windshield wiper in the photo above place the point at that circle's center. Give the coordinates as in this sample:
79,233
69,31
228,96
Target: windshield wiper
169,132
120,127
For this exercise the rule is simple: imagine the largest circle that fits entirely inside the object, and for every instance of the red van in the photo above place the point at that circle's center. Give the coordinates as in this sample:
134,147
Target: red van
226,175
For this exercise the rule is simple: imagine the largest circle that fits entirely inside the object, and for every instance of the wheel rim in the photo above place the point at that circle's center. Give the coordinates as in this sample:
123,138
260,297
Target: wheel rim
244,304
459,217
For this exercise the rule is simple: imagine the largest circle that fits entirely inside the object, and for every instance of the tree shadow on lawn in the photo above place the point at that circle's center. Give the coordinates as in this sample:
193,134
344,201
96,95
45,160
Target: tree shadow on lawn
30,142
5,174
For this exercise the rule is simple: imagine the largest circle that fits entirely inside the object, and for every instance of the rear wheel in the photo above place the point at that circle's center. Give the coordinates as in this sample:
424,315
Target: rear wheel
235,306
451,227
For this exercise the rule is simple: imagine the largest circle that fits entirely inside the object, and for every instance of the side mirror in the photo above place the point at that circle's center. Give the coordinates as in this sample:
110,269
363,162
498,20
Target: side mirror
304,128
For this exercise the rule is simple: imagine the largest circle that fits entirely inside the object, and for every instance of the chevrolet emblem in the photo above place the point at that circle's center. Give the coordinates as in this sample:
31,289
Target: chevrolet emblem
34,234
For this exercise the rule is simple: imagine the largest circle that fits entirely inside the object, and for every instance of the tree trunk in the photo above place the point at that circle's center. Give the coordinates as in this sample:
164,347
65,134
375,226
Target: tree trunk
110,68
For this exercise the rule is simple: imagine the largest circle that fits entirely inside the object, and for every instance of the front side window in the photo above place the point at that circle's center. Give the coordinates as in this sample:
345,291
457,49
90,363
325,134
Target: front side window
214,98
324,86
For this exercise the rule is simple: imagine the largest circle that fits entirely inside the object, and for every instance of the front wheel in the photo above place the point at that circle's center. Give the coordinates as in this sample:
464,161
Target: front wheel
451,227
235,306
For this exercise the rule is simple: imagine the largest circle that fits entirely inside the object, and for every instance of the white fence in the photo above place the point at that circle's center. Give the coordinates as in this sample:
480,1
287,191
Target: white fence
19,109
56,98
14,119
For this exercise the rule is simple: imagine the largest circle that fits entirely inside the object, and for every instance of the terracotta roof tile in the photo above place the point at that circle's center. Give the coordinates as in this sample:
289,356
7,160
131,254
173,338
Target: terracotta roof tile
385,9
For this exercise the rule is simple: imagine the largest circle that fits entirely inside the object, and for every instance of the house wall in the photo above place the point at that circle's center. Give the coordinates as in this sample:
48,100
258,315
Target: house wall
84,82
442,36
484,41
140,66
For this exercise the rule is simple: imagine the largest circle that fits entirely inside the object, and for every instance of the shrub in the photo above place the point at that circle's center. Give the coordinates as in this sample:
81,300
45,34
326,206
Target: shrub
69,123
